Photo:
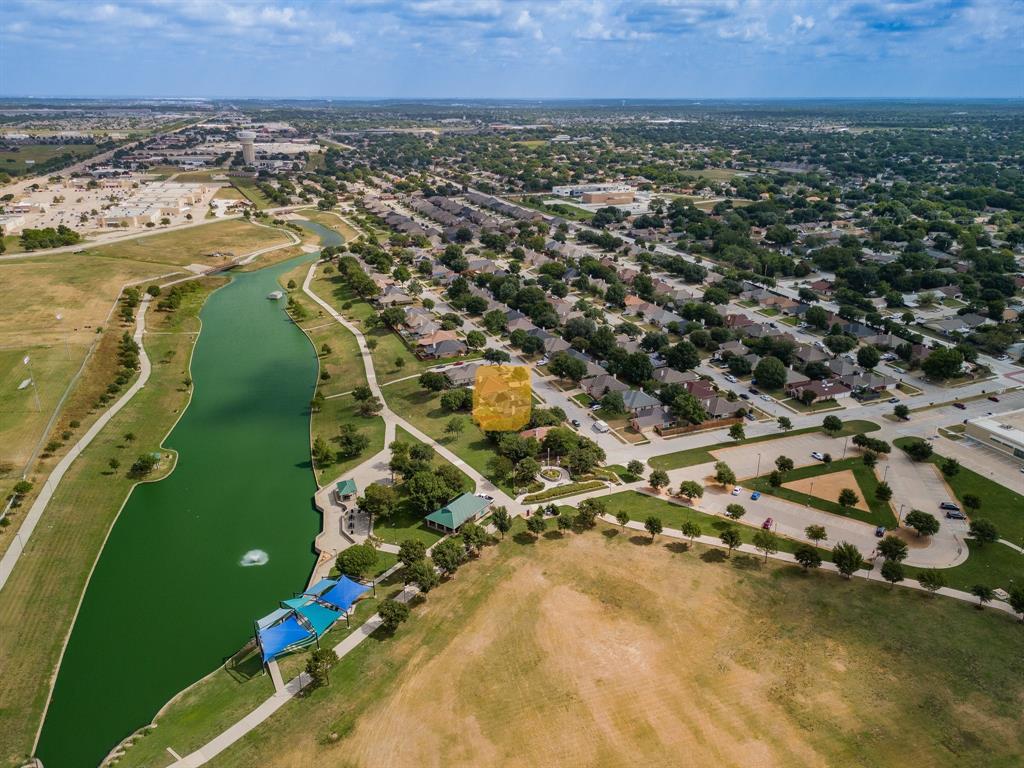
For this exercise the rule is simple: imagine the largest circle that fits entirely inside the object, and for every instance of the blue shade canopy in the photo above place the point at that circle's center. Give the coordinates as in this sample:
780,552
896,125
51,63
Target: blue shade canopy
343,594
319,617
283,637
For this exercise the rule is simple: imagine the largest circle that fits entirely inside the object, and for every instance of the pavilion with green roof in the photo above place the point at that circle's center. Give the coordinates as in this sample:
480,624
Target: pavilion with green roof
456,513
345,489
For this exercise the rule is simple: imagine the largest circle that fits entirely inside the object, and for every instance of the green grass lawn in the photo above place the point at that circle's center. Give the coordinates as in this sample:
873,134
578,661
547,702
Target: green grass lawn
815,407
640,506
880,511
702,455
16,161
994,565
328,420
423,410
248,188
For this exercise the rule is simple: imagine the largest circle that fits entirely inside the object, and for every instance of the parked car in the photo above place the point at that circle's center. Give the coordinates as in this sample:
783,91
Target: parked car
576,423
894,399
818,455
485,496
755,496
880,531
949,505
993,398
744,396
601,426
595,407
737,491
766,398
955,514
767,524
730,378
961,406
754,391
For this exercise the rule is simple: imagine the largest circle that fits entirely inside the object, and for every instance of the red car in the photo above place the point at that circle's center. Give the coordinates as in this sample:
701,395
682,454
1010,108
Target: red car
993,398
767,524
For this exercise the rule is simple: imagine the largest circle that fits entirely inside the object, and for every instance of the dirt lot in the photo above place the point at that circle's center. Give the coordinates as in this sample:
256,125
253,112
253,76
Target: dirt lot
555,653
828,486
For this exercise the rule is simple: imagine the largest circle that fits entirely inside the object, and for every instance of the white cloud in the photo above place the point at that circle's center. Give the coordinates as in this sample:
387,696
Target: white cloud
802,23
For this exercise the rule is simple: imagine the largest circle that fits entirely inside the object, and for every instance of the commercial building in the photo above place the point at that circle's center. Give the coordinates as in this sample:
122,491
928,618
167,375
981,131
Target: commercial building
151,202
580,190
1003,432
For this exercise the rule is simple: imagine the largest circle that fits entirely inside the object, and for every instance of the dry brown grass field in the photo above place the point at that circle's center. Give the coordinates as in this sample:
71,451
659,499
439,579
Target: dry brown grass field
606,650
829,486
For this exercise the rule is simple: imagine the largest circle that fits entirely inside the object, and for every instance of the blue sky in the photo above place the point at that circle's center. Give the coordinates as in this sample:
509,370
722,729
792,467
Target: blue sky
512,48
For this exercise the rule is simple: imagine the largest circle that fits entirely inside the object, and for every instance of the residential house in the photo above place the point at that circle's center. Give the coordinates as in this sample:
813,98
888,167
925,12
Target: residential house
444,348
638,402
823,390
600,385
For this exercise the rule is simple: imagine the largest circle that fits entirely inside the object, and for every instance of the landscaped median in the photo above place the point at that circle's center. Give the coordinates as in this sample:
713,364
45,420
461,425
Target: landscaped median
561,491
702,455
878,512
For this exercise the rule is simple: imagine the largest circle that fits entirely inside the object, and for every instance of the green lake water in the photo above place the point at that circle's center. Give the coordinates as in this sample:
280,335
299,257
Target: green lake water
169,599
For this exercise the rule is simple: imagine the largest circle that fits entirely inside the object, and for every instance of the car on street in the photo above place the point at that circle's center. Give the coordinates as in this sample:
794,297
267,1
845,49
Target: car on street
961,406
894,399
880,531
576,423
955,514
485,496
744,396
751,417
595,407
737,491
754,391
767,524
766,398
601,426
755,496
818,455
949,505
730,378
993,398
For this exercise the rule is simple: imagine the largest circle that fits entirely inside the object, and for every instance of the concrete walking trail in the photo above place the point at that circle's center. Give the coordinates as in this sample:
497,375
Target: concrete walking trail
24,533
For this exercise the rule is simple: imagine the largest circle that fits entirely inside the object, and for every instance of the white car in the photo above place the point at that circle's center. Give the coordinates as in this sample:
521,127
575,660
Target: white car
817,455
737,491
730,378
542,361
766,398
601,426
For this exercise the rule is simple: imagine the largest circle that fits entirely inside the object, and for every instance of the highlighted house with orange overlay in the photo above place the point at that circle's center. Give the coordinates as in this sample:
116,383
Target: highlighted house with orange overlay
502,400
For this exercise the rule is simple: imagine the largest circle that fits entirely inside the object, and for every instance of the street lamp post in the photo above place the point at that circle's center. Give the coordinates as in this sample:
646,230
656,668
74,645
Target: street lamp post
899,516
32,378
758,472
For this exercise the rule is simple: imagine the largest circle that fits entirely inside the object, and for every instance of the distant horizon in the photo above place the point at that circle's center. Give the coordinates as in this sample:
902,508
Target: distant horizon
526,100
513,49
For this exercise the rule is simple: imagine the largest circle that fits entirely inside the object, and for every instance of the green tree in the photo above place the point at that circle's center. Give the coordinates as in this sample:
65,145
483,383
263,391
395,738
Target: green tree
502,520
622,518
411,551
883,492
114,464
893,548
736,432
847,558
653,525
724,474
784,464
785,423
924,523
474,538
972,502
735,511
1017,600
318,666
950,467
932,580
892,571
943,363
731,538
536,524
868,357
832,425
392,613
635,468
433,381
423,574
454,427
658,479
448,555
901,412
691,489
770,373
588,511
984,593
918,450
816,533
357,561
767,542
983,531
848,497
690,529
807,556
378,501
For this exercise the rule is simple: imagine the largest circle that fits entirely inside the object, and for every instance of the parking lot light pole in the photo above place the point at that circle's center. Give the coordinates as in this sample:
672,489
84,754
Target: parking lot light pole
899,517
758,472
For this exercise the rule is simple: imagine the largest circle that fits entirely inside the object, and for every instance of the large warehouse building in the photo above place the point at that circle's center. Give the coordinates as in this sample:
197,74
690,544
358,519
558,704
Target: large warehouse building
1003,432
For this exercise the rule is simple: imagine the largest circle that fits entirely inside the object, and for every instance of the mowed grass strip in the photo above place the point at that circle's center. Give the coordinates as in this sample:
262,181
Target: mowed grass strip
39,600
597,649
702,455
193,245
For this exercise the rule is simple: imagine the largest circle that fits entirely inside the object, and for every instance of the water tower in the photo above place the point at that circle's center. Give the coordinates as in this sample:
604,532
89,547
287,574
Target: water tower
246,138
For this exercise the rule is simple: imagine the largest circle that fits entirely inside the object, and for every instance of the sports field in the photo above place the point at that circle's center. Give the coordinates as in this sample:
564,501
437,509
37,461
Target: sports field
603,649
